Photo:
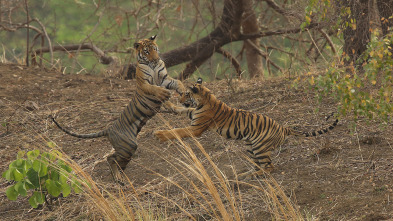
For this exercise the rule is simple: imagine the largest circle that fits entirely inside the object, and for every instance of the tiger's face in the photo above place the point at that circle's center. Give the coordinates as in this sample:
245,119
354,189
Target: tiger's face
187,100
197,94
147,51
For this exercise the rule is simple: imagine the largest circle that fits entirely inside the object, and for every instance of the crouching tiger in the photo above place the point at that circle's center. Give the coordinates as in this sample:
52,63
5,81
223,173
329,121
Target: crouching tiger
152,84
260,132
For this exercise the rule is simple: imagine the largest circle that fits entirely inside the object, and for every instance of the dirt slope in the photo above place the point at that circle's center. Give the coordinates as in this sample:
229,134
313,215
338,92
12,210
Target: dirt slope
337,176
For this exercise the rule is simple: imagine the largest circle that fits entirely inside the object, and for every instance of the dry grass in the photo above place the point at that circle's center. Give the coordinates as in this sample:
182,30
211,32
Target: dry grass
200,180
16,58
218,197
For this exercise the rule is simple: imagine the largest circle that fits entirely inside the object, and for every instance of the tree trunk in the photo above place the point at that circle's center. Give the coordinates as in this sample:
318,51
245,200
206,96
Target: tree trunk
356,37
385,8
250,25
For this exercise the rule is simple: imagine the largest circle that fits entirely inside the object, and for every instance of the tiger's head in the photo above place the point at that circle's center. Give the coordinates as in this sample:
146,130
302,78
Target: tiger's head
147,51
196,95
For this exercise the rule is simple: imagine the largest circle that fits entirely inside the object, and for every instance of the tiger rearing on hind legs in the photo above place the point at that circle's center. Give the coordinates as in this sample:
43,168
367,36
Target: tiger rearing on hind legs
153,83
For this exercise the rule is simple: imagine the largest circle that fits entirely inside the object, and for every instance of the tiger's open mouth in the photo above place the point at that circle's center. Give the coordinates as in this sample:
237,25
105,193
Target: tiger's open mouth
189,103
186,104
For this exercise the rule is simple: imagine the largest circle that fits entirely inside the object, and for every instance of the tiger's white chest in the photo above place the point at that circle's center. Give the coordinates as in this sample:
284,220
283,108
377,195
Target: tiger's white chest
154,75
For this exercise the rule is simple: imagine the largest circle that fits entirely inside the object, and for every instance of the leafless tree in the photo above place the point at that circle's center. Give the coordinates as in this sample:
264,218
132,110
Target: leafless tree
238,21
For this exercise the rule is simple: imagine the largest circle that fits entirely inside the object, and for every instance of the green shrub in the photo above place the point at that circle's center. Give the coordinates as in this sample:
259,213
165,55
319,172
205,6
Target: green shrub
45,174
364,90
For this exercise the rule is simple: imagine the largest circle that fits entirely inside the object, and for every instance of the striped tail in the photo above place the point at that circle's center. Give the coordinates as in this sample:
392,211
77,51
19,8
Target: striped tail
92,135
290,131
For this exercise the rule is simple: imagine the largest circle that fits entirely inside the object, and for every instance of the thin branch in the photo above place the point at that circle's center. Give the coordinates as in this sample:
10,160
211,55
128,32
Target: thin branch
280,50
281,10
104,59
42,45
276,32
265,56
191,68
47,38
233,60
297,39
316,46
88,36
322,48
286,52
27,33
1,13
329,40
13,27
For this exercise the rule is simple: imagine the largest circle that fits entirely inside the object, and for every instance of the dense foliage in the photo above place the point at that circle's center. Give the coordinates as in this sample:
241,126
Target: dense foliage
364,90
45,174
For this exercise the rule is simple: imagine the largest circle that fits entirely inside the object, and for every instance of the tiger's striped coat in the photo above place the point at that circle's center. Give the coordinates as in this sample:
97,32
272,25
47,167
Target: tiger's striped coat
152,84
262,133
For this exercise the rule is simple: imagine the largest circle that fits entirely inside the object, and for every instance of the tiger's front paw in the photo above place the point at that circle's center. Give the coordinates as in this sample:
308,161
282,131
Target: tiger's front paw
160,134
181,88
163,94
168,105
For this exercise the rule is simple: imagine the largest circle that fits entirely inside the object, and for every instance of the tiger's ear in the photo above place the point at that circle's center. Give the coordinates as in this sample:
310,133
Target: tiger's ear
136,45
153,38
199,81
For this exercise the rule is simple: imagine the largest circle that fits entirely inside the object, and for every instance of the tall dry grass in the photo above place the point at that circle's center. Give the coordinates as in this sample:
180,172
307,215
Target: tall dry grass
200,180
6,54
213,193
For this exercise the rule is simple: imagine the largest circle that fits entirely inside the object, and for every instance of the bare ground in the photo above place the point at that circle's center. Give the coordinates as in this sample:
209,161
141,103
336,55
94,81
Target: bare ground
336,176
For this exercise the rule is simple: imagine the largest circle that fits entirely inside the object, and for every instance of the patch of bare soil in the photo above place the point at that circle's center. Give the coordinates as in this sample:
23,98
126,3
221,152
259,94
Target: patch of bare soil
336,176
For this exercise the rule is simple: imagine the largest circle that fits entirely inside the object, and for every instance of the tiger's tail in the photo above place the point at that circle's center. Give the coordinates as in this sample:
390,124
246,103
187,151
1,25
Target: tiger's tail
92,135
295,132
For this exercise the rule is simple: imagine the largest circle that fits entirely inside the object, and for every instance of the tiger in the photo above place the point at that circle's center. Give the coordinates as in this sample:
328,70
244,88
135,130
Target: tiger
152,84
260,132
151,73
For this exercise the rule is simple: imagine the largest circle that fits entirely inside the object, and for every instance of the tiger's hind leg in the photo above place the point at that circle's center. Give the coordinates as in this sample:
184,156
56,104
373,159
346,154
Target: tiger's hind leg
117,163
264,163
262,160
124,150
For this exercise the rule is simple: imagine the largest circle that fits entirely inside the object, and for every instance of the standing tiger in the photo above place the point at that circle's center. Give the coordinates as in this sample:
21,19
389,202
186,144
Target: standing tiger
152,84
261,132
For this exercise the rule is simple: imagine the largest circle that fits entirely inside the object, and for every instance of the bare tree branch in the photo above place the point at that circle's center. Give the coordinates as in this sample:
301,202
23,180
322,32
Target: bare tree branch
87,37
233,60
104,59
286,52
199,51
47,38
27,33
276,32
330,42
282,11
13,27
265,56
209,44
316,46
